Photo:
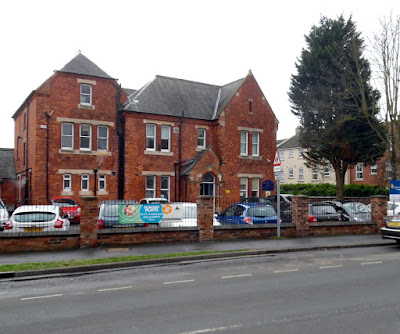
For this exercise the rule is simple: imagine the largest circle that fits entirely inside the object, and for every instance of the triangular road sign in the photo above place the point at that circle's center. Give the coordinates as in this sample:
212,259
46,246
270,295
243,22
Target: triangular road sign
277,160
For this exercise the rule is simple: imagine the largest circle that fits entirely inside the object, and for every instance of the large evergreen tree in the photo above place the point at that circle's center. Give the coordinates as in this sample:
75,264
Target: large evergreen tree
325,95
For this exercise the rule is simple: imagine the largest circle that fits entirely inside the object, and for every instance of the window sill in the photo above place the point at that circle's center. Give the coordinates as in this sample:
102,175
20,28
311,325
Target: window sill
200,148
86,106
67,193
101,153
170,154
250,157
86,193
102,193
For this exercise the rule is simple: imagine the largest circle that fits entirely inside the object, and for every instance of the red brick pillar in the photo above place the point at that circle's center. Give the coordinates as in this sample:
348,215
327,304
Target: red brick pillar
300,214
378,209
88,237
205,215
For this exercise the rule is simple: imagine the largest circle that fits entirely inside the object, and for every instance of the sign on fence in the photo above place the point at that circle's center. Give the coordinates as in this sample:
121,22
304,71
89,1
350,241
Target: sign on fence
149,213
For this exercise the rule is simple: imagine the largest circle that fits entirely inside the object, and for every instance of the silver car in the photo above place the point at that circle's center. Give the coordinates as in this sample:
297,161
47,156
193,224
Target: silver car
3,215
37,218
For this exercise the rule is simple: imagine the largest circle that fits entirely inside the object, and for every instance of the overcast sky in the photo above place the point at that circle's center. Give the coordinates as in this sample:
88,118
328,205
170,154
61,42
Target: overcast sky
214,42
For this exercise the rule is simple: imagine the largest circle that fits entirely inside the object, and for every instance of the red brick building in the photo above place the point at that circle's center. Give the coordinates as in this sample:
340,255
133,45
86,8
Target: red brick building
80,134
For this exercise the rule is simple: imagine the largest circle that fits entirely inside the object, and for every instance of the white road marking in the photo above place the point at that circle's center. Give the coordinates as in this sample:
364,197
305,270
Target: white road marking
329,267
285,271
38,297
234,276
120,288
216,329
177,282
367,263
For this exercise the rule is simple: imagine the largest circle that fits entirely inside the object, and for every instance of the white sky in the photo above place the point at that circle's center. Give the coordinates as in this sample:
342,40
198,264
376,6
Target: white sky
210,41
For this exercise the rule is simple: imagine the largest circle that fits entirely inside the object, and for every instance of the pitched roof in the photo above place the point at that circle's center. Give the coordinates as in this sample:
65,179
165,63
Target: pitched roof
290,142
177,97
7,166
84,66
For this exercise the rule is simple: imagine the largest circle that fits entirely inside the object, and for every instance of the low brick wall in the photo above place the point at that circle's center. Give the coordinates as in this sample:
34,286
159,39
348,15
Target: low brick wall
43,242
238,232
335,228
145,236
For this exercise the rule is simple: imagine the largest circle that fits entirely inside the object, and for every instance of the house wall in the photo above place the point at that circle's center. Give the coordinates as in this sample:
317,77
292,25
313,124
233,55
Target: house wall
235,118
371,177
60,96
296,162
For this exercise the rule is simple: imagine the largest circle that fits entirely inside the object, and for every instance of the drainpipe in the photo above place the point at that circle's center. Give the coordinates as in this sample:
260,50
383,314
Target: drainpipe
120,121
95,182
26,200
180,158
47,154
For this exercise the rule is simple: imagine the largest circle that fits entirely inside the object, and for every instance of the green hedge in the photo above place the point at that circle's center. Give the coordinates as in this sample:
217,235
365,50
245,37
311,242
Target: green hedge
326,189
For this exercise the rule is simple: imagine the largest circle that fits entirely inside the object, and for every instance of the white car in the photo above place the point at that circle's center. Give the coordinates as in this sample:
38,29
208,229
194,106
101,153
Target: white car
393,208
189,216
37,218
154,200
3,215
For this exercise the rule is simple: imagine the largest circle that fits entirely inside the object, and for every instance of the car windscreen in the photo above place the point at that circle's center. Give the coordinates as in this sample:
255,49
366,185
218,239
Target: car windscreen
261,211
356,207
64,202
34,217
111,210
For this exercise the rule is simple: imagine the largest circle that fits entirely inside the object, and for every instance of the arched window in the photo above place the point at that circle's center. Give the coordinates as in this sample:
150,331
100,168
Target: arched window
208,184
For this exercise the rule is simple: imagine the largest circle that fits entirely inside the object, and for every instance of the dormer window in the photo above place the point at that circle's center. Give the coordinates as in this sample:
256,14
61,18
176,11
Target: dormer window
86,94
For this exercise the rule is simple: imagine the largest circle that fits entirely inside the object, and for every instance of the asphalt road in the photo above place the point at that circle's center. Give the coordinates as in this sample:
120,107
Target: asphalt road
335,291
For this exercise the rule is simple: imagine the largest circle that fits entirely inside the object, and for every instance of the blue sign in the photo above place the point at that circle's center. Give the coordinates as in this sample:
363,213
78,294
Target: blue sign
394,187
268,185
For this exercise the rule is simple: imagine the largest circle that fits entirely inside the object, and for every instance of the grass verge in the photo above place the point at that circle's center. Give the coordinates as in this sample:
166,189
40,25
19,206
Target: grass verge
86,262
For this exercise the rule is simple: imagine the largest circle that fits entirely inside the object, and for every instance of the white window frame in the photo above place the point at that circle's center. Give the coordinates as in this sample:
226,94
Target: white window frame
374,169
301,174
165,190
67,178
244,135
301,153
90,94
359,172
388,170
99,138
255,144
243,181
85,182
291,153
71,136
255,187
102,182
201,138
152,190
154,136
281,154
282,175
81,137
327,172
291,173
166,138
314,174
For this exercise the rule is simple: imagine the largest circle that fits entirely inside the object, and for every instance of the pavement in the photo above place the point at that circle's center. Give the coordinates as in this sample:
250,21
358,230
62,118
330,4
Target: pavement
236,248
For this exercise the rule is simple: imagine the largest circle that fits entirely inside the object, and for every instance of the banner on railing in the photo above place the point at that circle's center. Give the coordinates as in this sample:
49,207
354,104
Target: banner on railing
149,213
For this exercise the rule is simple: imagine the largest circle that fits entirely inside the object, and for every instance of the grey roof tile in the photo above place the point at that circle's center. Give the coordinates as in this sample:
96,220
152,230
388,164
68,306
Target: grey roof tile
84,66
7,166
174,97
290,143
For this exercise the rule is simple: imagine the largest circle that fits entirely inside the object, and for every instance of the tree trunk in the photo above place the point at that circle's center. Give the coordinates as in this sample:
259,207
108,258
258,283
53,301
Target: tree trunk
339,174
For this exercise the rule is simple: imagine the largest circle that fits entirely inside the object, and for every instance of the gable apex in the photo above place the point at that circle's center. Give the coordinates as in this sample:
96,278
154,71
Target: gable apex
84,66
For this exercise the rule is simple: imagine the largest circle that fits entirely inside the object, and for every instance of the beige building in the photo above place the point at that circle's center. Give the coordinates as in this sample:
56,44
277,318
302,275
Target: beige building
293,168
